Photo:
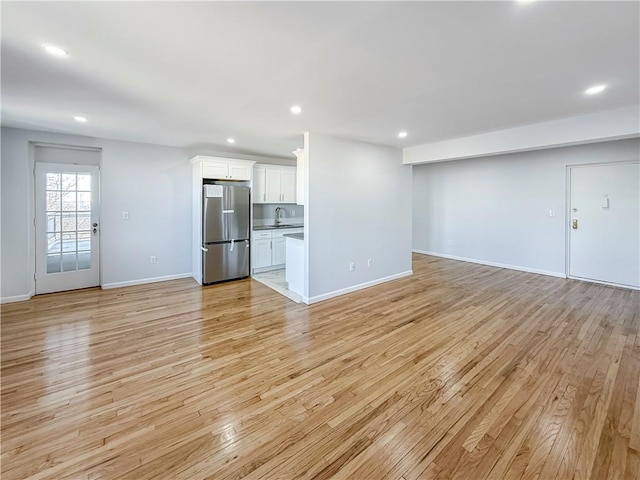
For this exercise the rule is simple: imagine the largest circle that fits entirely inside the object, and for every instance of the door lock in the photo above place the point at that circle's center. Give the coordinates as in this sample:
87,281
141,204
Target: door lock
574,223
95,228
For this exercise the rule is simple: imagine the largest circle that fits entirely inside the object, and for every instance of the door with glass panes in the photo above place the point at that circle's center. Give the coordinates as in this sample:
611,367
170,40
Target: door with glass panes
67,227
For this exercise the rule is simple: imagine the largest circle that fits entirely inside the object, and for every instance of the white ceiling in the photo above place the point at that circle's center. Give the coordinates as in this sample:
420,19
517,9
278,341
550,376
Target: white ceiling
193,74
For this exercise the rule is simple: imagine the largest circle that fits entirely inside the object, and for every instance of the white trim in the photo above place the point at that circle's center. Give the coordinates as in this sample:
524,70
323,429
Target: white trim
268,269
343,291
600,282
493,264
142,281
17,298
210,158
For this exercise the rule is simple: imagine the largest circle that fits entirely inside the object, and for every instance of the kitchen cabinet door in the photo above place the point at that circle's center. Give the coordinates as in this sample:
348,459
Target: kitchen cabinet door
300,155
278,251
288,185
239,172
273,185
261,254
215,170
259,185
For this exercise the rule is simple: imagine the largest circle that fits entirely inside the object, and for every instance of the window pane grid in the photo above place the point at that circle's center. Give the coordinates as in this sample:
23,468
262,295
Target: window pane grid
68,221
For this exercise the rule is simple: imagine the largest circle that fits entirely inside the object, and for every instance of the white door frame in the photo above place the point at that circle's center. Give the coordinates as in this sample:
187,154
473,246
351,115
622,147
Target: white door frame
32,208
567,220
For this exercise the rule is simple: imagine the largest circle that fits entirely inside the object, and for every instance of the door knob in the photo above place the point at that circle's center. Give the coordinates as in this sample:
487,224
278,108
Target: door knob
574,223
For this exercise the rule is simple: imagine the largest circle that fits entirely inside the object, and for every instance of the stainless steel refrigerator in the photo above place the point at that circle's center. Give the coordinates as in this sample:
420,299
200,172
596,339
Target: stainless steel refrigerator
225,232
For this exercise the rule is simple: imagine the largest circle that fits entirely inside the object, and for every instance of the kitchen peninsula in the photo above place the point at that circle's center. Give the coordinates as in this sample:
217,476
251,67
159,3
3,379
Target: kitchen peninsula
294,264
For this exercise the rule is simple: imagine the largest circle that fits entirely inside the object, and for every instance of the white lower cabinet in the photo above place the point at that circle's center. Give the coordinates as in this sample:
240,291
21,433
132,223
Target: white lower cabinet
261,253
269,248
278,251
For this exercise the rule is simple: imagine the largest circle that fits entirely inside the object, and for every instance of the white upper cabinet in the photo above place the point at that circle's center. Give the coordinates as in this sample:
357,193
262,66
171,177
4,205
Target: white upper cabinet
223,168
215,170
288,185
259,193
239,172
274,184
301,162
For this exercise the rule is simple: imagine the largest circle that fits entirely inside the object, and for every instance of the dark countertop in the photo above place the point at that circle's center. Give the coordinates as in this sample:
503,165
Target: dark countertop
278,227
297,236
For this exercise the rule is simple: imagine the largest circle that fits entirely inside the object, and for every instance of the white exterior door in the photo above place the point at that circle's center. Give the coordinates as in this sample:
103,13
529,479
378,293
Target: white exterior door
67,227
604,223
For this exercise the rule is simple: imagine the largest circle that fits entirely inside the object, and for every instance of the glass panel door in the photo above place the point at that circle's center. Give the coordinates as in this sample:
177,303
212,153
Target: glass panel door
66,227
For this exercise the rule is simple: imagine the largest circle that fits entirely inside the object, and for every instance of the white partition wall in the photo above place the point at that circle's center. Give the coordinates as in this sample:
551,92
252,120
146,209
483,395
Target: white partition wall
359,209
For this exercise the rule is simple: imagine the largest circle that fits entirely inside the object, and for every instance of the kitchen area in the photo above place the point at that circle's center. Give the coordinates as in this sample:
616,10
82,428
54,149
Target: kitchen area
263,204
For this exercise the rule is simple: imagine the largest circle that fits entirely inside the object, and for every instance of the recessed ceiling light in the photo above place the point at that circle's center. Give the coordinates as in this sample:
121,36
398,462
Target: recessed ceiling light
296,109
80,119
595,89
402,134
55,51
231,140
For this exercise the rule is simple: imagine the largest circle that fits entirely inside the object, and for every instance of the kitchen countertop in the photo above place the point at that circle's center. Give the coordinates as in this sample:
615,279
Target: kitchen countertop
278,227
297,236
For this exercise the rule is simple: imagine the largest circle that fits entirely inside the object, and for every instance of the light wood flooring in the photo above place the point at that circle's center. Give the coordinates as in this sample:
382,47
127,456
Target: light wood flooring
460,371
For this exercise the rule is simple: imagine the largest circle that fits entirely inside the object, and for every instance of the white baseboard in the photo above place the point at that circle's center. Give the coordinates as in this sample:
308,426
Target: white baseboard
267,269
618,285
492,264
343,291
142,281
17,298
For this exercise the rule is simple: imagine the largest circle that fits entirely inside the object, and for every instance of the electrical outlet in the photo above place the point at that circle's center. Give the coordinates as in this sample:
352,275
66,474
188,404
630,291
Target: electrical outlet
153,259
352,267
293,212
449,242
125,215
552,213
369,262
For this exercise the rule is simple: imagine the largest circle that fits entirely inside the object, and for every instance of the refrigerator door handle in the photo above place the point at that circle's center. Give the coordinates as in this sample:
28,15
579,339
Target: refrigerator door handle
204,249
231,249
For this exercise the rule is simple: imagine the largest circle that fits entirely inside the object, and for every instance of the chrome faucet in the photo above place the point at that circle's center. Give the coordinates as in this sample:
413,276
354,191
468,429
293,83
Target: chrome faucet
278,211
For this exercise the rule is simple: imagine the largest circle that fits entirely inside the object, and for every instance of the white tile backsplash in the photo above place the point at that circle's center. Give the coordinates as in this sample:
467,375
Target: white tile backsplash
265,214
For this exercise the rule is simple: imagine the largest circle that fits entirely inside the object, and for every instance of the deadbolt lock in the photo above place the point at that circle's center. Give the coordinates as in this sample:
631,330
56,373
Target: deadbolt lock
574,223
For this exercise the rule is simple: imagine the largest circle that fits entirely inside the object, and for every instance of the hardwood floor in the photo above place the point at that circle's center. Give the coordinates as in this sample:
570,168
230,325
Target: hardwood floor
460,371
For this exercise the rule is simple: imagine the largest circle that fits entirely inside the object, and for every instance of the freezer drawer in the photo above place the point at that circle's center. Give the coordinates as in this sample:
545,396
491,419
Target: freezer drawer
225,261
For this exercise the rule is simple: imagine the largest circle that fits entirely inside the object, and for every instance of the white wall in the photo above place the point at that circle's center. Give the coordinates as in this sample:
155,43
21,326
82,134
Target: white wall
358,207
152,183
496,209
